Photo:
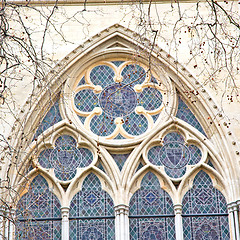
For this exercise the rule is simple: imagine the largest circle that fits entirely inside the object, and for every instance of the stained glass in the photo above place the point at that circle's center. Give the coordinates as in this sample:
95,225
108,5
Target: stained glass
204,199
210,164
52,117
102,75
117,100
82,81
174,155
65,158
133,74
102,125
92,212
140,165
100,166
85,100
117,63
151,211
38,213
186,115
120,159
150,99
136,125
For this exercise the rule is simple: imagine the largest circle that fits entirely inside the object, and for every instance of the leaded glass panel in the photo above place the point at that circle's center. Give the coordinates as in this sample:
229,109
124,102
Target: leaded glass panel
38,213
174,155
120,159
65,158
52,117
86,100
205,211
133,74
92,212
109,98
151,211
102,75
186,115
150,98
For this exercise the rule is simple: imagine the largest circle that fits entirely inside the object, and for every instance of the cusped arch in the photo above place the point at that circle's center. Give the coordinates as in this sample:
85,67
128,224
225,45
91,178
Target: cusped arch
164,182
216,179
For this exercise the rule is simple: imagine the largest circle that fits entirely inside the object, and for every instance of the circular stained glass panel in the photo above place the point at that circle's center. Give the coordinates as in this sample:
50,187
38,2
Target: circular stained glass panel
117,100
174,155
65,160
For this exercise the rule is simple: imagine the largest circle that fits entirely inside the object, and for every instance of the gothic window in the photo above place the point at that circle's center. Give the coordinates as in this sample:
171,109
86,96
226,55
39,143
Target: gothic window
92,212
116,120
38,213
151,211
204,211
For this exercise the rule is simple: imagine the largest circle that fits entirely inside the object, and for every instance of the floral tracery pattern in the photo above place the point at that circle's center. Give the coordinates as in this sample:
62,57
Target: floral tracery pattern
65,158
118,99
174,155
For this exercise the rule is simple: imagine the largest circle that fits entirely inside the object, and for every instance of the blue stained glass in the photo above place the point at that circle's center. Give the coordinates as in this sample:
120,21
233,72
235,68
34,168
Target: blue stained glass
196,154
133,74
85,100
140,165
102,75
202,228
203,198
120,159
155,117
150,99
119,136
82,119
186,115
52,117
173,136
35,206
82,81
95,204
118,100
102,125
174,155
210,164
175,173
117,63
136,124
100,166
65,158
97,229
150,200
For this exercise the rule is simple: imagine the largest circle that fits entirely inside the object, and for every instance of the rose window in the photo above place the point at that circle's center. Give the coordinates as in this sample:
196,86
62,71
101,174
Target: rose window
118,99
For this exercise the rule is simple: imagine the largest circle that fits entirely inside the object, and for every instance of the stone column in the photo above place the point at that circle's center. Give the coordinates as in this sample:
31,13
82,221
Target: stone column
178,221
6,224
11,224
1,223
232,220
122,222
65,223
